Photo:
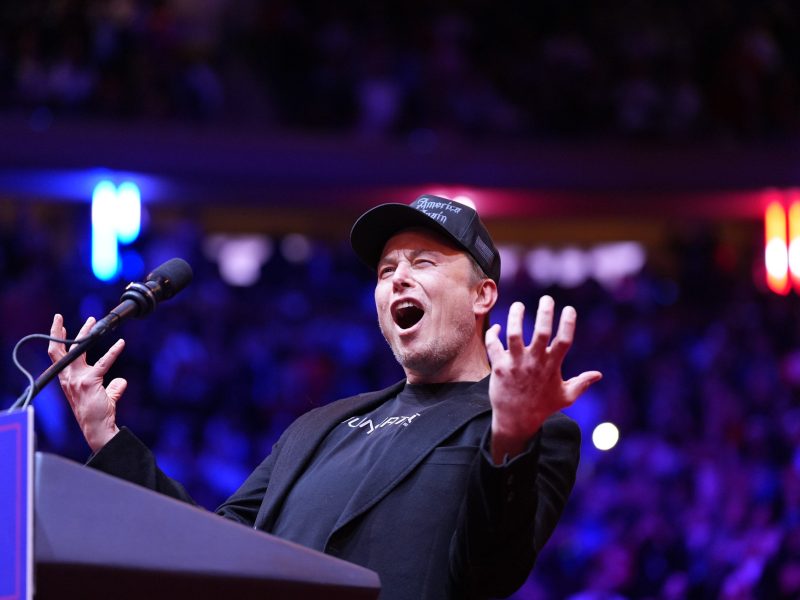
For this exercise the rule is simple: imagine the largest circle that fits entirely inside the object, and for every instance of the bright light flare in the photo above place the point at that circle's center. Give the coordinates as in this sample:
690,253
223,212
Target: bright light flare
615,261
605,436
776,249
239,257
465,200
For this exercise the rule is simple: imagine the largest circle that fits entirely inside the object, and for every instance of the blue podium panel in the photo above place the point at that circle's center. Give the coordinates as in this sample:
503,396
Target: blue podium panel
16,505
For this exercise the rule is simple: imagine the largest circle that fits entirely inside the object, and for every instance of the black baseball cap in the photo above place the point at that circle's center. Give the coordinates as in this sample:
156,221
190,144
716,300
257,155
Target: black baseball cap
455,221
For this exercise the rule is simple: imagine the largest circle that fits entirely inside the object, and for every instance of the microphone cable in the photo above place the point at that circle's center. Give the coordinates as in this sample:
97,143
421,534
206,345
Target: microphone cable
26,398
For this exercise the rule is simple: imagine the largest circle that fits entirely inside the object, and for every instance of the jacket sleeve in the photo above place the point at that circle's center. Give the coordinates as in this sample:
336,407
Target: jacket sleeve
511,510
126,457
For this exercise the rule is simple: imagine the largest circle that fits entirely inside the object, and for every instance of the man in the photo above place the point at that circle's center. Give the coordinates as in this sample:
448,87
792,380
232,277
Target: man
447,483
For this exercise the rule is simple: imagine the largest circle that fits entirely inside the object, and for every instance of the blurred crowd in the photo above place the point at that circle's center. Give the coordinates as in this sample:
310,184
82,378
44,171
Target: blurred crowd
640,68
699,499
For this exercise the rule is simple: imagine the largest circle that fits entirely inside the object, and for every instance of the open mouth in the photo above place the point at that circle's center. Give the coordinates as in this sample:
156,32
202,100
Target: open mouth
407,314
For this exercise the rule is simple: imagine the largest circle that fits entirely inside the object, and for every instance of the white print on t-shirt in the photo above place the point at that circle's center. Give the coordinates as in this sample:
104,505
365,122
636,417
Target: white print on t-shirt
359,422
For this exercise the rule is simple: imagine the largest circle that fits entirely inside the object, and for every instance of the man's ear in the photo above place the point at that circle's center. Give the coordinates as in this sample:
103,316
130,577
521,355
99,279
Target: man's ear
486,297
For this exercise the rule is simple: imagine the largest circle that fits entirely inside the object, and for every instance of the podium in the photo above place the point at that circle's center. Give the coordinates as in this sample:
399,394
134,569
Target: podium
96,536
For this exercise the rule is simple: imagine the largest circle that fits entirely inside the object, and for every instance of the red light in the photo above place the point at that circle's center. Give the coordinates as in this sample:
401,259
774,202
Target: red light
776,248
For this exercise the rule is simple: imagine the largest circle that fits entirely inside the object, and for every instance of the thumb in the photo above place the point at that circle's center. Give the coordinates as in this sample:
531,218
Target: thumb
116,388
580,383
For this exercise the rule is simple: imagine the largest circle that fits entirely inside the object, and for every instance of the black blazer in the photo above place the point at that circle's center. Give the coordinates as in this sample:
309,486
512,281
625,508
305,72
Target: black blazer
435,520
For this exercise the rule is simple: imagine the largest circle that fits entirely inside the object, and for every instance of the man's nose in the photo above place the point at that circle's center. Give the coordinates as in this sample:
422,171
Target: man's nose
401,278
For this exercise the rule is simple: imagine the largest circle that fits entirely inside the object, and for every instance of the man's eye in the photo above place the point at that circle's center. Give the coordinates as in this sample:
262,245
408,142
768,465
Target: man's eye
425,262
385,271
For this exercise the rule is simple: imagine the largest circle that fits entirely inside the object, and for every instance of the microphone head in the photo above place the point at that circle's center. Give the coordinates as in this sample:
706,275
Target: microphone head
170,277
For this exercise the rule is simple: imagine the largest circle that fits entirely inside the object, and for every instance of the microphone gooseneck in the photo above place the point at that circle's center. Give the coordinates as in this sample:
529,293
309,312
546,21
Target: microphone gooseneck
138,300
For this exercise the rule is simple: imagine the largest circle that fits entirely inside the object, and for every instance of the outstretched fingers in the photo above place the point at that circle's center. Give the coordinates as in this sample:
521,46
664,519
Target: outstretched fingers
494,347
577,385
87,327
566,333
514,340
543,328
55,350
104,363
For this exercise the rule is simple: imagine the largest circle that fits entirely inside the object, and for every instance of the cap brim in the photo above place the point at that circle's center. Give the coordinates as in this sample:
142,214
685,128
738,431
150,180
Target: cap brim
374,228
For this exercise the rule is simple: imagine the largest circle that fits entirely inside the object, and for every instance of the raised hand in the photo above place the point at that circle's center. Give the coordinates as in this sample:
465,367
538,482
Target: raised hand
94,406
526,384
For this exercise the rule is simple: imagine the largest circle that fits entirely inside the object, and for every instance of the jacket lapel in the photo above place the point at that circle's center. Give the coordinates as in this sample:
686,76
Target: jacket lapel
301,443
409,449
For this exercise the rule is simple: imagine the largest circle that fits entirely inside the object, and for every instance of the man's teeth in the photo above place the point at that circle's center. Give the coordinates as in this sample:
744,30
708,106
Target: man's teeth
407,314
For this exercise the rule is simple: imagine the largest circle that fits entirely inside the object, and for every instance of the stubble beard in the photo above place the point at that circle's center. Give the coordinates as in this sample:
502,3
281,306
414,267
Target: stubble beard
437,353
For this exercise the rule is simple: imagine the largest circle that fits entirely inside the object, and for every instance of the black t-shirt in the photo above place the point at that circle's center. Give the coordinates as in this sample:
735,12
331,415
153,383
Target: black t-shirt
347,454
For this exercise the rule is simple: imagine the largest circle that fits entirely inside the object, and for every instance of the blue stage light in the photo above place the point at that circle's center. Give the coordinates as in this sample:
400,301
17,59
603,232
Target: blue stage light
116,219
129,212
105,256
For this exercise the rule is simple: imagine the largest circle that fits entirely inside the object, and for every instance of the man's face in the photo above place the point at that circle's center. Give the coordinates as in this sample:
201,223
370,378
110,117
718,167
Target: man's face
424,297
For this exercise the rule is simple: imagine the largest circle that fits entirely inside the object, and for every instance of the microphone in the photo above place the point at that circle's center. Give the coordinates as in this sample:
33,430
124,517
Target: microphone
140,299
